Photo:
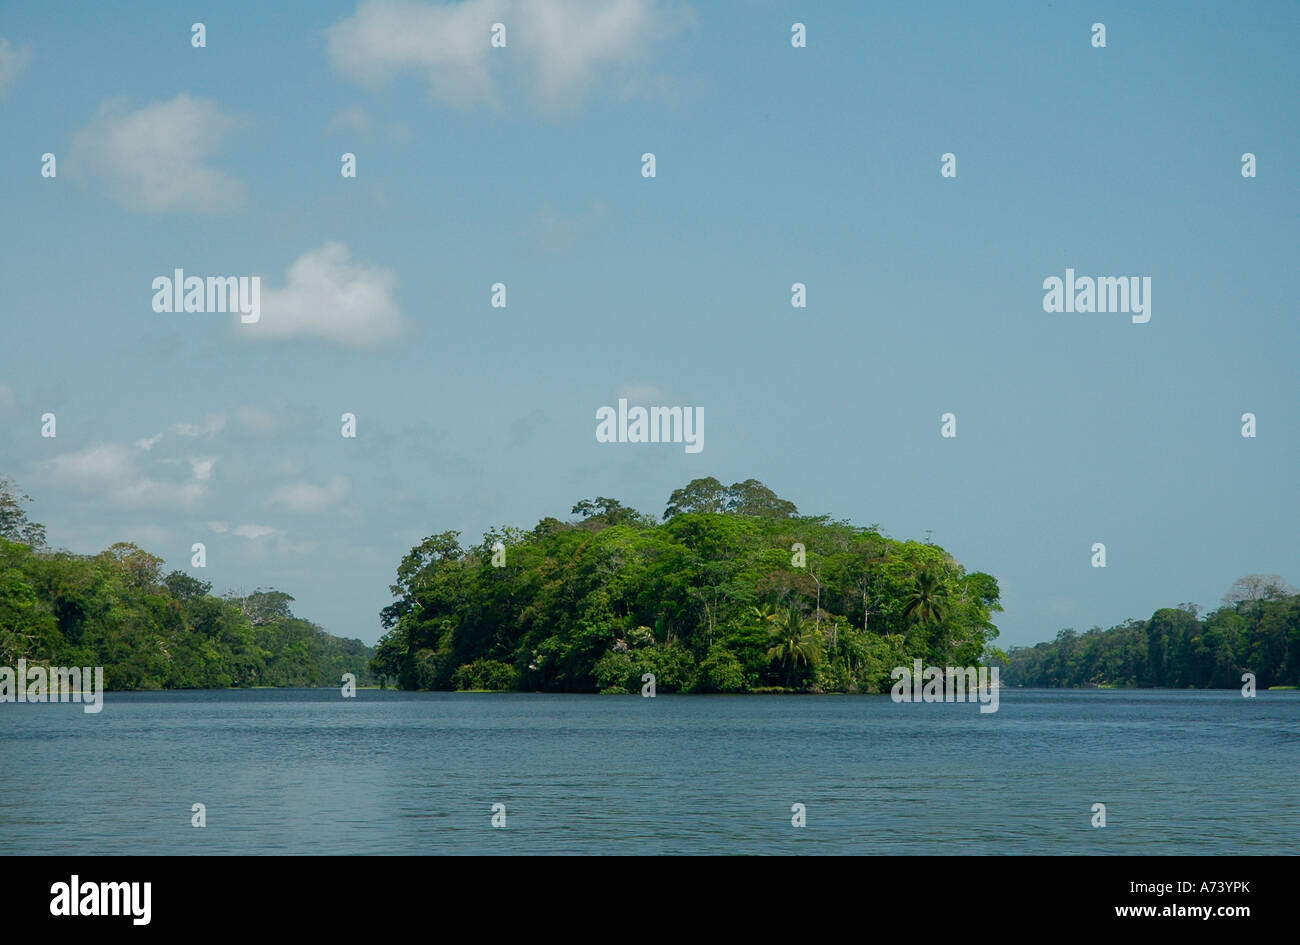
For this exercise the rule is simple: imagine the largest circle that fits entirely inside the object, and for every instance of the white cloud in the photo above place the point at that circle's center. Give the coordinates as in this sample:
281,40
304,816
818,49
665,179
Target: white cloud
110,470
202,467
557,51
213,424
569,44
306,498
254,532
7,398
12,61
327,296
264,542
149,443
448,43
219,527
93,467
155,159
157,492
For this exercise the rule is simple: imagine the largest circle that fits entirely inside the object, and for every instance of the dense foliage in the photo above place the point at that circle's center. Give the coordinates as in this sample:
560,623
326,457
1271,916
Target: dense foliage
149,631
734,591
1257,630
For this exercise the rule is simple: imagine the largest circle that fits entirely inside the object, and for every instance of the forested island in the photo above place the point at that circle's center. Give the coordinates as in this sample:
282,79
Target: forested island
733,591
147,630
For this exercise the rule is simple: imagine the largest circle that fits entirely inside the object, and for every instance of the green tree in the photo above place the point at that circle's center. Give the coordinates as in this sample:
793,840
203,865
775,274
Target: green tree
926,603
753,498
603,511
699,495
794,641
183,587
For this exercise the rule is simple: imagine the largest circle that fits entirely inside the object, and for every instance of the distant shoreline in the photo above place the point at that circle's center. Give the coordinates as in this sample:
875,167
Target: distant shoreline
513,692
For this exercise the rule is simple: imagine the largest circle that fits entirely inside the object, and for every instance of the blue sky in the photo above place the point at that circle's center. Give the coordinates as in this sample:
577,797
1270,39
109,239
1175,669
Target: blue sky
775,165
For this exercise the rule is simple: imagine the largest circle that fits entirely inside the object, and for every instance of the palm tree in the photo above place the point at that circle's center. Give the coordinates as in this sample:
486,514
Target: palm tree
794,641
927,602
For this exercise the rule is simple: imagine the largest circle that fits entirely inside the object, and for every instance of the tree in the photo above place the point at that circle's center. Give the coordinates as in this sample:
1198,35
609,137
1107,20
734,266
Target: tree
698,495
753,498
14,524
793,642
183,587
264,606
927,602
418,562
750,498
141,569
608,512
1258,587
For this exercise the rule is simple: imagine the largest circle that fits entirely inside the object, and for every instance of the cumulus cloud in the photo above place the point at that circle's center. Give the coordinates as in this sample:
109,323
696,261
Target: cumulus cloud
111,470
155,159
331,298
557,51
306,498
448,43
219,527
569,45
13,59
202,468
92,467
149,442
254,532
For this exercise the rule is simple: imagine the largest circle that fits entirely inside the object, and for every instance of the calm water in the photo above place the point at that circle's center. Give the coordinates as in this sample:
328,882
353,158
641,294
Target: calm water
305,771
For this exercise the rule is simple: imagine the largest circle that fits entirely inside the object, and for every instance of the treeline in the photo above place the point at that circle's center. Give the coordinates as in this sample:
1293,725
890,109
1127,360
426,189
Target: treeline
733,592
148,630
1257,630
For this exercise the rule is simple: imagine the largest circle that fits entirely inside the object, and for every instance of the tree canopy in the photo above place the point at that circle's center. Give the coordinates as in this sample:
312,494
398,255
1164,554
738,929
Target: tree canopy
750,498
149,630
1257,630
734,591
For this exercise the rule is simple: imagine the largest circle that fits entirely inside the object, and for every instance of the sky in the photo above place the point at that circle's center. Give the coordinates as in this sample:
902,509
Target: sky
774,165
